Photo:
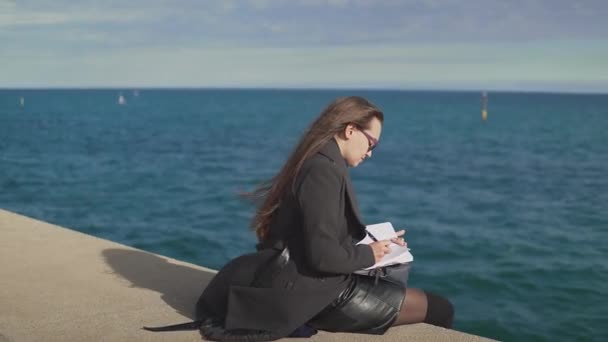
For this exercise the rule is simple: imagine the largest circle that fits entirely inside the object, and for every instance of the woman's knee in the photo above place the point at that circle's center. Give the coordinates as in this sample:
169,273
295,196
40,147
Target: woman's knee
440,311
413,308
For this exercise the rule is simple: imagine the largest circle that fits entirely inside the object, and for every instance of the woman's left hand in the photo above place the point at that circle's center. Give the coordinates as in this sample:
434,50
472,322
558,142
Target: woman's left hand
399,239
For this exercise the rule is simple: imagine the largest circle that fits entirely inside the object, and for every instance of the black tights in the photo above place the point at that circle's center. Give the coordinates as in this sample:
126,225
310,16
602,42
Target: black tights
420,306
439,312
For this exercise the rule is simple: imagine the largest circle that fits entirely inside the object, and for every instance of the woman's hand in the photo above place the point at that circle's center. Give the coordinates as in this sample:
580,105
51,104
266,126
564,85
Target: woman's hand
399,239
380,248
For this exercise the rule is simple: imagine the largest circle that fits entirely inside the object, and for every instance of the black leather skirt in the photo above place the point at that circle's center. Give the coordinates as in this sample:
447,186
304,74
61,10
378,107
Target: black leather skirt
363,307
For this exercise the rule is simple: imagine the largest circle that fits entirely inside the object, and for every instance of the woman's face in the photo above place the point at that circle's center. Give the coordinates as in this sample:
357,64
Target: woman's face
359,142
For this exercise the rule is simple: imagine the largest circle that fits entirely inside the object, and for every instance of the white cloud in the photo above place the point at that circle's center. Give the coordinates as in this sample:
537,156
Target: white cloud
338,3
13,16
228,5
274,27
261,4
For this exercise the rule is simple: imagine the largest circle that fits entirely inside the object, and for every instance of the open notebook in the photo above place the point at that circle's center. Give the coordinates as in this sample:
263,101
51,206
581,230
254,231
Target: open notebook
398,254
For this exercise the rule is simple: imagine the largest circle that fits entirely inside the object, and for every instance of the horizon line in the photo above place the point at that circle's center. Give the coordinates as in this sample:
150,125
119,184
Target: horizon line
296,88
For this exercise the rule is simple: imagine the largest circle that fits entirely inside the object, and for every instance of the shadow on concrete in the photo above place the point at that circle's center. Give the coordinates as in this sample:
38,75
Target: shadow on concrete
179,286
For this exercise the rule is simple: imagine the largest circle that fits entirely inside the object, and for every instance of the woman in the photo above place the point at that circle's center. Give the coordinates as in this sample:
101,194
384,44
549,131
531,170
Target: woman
301,278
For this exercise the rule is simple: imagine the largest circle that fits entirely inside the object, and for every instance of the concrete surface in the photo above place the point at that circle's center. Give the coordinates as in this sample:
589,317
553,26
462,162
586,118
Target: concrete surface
57,284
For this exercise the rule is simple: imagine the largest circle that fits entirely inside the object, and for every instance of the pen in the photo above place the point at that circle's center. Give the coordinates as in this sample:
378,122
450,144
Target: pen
371,236
376,240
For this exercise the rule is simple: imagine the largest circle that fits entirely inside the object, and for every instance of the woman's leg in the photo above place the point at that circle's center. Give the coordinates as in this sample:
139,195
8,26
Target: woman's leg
413,308
419,306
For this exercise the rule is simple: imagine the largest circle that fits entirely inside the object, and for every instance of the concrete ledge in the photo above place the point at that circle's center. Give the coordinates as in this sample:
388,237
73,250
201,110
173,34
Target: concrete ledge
57,284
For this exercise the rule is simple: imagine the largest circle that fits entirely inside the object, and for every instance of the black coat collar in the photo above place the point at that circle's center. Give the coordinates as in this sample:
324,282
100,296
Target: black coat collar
331,150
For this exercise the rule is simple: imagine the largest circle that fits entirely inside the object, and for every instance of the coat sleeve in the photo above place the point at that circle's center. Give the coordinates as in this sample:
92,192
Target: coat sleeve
319,195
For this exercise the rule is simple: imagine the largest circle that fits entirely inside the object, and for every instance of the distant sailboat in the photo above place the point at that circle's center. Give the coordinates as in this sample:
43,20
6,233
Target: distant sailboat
22,101
136,93
121,100
484,106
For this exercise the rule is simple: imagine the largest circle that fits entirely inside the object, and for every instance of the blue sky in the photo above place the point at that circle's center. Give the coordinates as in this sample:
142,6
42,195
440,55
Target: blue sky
549,45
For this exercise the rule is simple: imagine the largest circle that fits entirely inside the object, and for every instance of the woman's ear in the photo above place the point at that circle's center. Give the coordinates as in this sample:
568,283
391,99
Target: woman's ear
349,130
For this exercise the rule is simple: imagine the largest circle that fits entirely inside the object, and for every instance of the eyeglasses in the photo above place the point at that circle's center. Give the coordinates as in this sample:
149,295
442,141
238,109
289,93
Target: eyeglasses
373,142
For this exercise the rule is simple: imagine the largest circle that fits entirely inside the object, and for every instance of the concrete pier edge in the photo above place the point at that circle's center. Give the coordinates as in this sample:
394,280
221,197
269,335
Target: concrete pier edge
58,284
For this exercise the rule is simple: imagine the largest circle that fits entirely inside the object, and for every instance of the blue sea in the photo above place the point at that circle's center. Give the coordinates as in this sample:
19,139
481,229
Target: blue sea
508,218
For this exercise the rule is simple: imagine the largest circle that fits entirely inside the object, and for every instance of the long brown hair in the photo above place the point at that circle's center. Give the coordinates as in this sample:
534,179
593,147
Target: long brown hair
332,120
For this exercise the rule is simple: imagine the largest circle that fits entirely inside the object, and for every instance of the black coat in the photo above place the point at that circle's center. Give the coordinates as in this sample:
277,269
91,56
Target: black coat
319,222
